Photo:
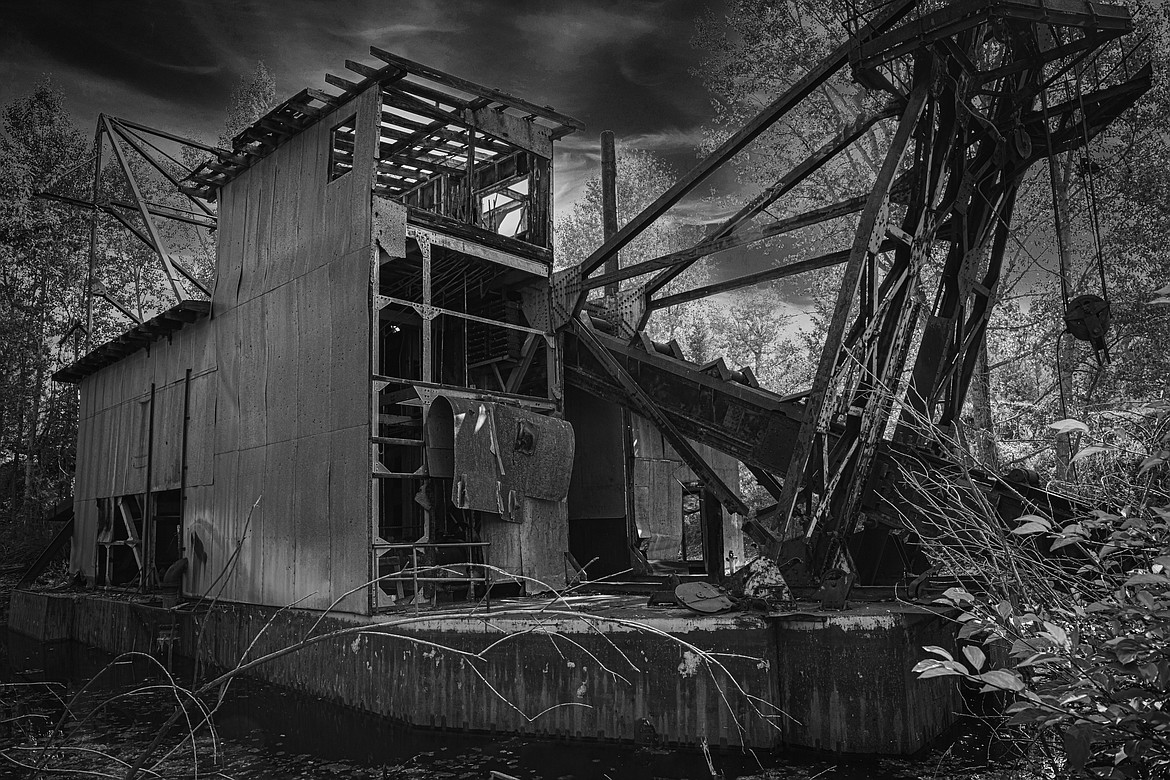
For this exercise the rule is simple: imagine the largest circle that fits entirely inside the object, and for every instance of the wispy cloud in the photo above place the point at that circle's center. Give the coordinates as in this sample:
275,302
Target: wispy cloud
703,211
572,31
668,140
407,29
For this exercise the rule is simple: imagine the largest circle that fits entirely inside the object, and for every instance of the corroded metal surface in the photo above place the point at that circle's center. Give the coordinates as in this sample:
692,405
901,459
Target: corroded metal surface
842,678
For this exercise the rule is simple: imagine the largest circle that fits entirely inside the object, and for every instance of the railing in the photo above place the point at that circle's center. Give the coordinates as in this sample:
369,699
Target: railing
448,572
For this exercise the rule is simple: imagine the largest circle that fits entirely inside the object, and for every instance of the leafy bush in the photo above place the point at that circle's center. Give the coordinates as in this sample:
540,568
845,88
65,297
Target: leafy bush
1072,621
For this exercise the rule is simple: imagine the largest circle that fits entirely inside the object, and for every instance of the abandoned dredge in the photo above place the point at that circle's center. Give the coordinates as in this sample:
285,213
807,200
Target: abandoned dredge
389,399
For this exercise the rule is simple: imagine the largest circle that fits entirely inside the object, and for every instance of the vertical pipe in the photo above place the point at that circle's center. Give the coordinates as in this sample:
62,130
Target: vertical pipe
183,469
609,226
472,206
93,225
428,373
414,574
1066,354
147,538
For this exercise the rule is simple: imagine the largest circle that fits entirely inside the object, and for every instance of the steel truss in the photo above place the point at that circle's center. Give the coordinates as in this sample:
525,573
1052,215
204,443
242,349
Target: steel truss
131,142
965,85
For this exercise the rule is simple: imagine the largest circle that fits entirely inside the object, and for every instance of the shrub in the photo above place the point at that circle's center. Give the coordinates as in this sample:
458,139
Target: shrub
1071,620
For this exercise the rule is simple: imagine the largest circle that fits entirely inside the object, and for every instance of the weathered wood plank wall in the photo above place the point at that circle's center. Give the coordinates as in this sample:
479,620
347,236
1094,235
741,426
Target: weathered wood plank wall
299,330
280,390
114,421
657,483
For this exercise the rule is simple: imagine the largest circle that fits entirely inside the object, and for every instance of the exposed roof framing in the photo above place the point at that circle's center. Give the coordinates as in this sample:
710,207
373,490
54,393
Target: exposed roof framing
427,120
140,336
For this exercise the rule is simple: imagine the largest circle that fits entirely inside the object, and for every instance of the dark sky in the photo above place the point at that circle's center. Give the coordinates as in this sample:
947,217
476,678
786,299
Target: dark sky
620,64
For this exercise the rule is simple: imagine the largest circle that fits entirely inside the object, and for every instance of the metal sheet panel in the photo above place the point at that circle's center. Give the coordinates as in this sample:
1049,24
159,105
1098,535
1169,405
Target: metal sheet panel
311,531
282,346
282,233
348,290
227,381
598,485
349,523
252,342
315,340
280,511
167,453
503,454
233,213
201,429
248,582
544,540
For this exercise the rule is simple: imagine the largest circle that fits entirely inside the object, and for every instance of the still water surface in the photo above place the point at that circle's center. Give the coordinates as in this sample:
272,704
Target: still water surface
268,732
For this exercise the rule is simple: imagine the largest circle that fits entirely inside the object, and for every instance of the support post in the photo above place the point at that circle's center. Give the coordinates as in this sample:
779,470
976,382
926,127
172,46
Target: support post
93,227
146,575
870,232
609,223
712,523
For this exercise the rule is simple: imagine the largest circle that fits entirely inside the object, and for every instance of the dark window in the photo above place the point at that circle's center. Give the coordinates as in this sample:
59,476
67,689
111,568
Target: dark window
341,149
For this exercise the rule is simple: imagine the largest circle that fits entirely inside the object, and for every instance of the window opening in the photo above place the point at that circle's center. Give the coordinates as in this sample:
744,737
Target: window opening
691,548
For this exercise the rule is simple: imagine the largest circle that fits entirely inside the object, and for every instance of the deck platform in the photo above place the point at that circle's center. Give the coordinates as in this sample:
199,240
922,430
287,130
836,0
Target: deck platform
594,667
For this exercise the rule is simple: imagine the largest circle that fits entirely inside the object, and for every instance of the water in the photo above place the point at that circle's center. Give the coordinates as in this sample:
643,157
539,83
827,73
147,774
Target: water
268,732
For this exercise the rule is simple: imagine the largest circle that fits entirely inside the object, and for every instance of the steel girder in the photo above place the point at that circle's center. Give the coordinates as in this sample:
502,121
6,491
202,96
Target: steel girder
965,83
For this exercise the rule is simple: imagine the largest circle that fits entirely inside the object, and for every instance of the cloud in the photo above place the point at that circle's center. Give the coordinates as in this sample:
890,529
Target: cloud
573,31
406,29
704,211
572,168
668,140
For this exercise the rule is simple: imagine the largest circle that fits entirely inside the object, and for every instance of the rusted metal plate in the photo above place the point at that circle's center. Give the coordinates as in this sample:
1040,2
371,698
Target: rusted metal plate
498,455
703,597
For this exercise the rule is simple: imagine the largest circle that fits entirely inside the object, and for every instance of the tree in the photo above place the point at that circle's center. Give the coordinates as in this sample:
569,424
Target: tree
41,246
251,99
44,250
752,332
642,177
755,49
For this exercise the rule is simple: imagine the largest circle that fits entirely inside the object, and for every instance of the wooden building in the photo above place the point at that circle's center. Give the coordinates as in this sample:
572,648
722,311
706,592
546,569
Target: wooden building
375,388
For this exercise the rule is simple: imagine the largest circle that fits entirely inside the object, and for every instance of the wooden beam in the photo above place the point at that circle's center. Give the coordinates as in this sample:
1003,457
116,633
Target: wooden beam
420,162
516,131
300,102
463,85
405,102
785,184
435,96
324,97
342,84
365,71
170,212
437,129
748,280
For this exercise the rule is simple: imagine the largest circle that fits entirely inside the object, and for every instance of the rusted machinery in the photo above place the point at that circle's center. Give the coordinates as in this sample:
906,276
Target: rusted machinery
970,95
969,86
